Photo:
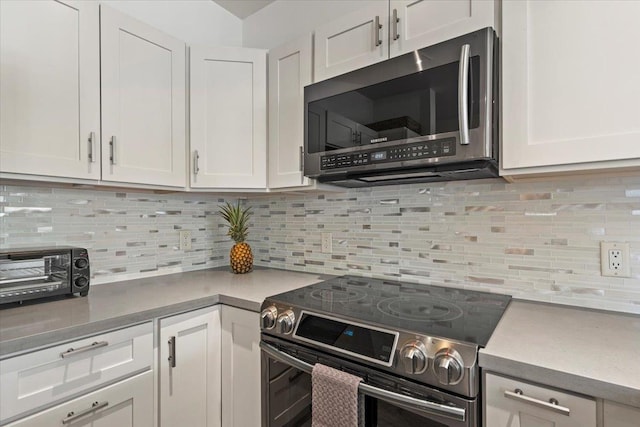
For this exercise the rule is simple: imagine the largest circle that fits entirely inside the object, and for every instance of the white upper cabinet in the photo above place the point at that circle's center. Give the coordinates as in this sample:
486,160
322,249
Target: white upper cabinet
49,86
385,29
289,71
417,24
143,103
228,118
352,41
570,86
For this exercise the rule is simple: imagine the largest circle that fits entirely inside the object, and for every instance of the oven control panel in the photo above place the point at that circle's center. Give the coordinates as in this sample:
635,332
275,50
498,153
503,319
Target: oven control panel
398,153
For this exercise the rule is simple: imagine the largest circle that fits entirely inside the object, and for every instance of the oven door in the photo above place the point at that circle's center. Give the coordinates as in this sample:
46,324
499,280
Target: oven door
286,394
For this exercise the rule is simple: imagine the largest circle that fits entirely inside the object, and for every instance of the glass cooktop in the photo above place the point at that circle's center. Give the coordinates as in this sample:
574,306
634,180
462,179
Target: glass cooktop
456,314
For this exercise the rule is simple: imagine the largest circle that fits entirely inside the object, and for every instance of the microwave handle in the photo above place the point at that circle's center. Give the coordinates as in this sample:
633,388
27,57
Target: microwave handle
463,95
401,400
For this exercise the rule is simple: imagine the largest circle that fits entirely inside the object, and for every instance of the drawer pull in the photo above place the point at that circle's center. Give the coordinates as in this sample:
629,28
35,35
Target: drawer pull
552,405
74,351
71,416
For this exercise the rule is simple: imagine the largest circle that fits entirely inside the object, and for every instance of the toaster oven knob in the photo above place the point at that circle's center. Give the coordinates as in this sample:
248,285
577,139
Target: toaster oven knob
414,357
81,263
448,366
285,322
81,282
268,317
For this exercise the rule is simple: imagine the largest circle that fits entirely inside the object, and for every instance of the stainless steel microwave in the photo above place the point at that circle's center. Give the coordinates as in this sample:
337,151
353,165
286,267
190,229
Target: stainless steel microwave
428,115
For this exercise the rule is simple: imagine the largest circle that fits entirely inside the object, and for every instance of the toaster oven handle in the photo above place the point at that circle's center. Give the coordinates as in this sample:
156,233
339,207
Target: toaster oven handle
401,400
463,95
92,346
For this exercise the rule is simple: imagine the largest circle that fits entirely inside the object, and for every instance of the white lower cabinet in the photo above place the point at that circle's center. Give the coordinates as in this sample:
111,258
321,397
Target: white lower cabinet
128,403
515,403
49,376
617,415
189,369
240,368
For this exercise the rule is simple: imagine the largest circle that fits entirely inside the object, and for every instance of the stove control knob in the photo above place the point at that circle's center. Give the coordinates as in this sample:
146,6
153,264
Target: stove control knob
448,366
285,322
268,317
414,357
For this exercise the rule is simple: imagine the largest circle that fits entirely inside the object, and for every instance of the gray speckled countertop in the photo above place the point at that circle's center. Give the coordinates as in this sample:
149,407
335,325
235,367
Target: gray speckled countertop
115,305
596,353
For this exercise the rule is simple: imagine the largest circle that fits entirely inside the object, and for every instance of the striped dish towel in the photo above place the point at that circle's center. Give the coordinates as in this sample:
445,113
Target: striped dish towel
335,398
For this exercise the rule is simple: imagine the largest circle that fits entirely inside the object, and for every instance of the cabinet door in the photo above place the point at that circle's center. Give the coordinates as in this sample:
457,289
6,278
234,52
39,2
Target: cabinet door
569,93
289,72
190,369
128,403
512,403
426,22
617,415
143,103
352,41
240,368
50,86
228,118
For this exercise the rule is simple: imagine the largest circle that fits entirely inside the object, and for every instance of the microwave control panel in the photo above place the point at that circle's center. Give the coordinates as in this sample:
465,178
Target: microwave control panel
414,151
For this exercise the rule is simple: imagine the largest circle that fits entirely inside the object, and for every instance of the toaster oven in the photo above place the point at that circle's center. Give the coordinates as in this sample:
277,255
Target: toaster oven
29,273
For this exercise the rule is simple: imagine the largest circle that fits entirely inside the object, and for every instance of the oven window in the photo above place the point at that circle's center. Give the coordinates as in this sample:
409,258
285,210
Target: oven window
392,416
419,104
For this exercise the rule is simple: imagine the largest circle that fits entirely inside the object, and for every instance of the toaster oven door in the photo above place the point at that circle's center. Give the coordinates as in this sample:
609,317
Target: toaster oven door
27,276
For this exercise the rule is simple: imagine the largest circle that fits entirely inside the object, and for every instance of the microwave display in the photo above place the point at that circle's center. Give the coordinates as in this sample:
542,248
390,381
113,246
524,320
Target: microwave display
412,106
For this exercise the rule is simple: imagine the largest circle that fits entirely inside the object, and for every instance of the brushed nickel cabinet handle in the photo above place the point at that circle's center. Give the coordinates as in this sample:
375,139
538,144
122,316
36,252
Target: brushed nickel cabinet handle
394,21
196,159
172,352
301,165
112,150
552,405
92,346
92,148
376,31
96,406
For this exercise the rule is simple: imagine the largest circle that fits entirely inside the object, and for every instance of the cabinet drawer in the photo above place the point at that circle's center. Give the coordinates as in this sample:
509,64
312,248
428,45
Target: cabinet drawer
128,403
515,403
49,376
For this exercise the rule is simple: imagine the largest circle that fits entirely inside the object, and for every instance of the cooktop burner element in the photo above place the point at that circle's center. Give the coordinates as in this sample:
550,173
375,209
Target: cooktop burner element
338,295
420,309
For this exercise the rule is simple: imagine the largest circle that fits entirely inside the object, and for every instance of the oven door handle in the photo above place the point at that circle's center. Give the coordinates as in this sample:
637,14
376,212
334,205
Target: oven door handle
432,408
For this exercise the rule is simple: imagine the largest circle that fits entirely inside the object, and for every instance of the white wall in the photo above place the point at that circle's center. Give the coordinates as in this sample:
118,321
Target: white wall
286,20
197,22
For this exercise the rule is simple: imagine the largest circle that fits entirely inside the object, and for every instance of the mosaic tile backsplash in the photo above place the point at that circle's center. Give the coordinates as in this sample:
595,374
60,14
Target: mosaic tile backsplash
129,235
536,241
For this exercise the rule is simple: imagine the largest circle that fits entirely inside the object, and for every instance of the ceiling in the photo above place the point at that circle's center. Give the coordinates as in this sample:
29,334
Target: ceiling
243,8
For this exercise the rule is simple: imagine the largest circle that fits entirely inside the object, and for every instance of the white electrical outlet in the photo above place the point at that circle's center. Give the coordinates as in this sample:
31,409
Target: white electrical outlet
614,259
327,243
185,240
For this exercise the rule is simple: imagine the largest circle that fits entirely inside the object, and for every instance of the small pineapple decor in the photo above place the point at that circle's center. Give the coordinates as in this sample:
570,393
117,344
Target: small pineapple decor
240,257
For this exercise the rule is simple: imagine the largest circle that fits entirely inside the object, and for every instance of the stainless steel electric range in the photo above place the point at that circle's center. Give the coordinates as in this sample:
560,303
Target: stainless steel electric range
415,347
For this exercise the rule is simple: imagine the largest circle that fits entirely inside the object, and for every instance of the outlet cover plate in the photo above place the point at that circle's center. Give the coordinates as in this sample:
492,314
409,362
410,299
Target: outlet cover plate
185,240
614,259
327,243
